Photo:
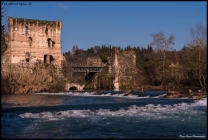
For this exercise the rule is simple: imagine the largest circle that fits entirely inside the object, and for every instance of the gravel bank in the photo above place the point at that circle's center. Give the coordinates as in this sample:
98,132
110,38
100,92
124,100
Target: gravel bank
26,100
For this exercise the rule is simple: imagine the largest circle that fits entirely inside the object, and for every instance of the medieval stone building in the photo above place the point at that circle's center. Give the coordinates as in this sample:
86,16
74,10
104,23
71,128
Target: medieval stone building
29,40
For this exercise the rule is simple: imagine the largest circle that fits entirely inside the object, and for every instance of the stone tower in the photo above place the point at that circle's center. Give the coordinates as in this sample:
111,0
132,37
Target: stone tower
30,40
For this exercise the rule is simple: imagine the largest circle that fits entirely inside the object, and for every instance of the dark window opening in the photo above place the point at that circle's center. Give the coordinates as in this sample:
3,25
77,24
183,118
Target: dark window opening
53,43
46,31
26,30
73,88
51,58
30,41
45,58
58,24
49,42
27,57
48,59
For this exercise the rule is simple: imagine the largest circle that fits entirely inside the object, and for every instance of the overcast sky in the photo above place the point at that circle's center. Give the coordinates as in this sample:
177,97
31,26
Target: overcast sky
88,24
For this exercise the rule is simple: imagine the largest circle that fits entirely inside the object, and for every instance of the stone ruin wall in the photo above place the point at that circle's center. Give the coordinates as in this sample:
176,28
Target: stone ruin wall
123,65
29,40
94,61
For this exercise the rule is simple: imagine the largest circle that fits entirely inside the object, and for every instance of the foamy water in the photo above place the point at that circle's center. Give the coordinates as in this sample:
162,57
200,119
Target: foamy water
133,110
110,93
108,115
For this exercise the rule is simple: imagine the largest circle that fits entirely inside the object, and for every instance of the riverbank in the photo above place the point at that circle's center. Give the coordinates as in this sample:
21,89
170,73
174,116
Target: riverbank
26,100
179,92
194,96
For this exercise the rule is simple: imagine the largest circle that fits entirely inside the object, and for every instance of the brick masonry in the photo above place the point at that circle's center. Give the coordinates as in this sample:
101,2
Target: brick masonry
29,40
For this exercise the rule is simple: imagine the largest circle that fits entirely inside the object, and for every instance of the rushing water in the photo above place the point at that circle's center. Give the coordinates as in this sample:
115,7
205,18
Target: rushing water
109,114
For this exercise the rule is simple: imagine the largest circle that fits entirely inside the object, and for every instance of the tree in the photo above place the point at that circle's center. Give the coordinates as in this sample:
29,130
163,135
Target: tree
103,57
96,49
198,35
90,50
162,44
74,49
195,55
4,21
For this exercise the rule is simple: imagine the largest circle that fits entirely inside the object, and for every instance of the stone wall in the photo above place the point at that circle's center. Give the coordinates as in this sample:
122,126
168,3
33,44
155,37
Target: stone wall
29,40
123,65
94,61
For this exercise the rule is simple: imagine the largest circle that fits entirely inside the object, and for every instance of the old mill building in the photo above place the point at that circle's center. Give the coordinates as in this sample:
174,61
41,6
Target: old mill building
29,40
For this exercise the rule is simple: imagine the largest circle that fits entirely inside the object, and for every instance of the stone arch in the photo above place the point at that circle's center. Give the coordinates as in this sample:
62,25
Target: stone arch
73,88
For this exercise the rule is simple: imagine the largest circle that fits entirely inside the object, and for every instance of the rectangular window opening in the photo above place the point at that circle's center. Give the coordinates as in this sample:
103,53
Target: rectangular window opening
49,42
30,41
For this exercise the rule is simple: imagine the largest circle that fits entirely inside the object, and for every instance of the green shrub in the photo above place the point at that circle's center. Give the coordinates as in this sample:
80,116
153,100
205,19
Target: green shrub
104,58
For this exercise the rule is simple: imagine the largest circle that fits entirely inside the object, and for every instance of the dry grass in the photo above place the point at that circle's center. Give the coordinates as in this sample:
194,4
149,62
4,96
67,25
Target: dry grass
43,78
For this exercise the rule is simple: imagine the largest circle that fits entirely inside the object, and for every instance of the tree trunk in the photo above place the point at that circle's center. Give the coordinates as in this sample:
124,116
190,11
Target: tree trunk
163,68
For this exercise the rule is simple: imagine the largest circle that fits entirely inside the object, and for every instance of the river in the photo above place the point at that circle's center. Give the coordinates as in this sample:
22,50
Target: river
108,114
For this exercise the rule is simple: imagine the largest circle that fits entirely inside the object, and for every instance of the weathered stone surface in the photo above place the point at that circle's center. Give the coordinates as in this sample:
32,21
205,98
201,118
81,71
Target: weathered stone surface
29,40
123,64
94,61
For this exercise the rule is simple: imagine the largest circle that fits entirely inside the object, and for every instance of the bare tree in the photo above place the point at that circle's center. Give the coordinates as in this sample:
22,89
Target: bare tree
96,49
162,44
198,35
74,49
195,59
4,19
4,29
